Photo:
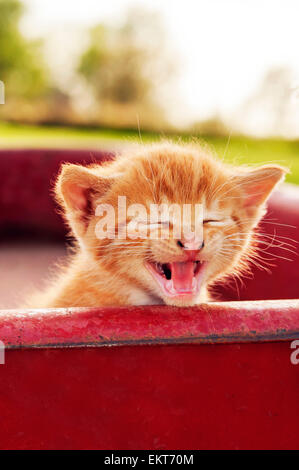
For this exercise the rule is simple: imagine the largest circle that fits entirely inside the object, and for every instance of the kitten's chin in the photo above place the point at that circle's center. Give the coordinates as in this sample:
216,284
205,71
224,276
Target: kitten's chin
181,301
180,283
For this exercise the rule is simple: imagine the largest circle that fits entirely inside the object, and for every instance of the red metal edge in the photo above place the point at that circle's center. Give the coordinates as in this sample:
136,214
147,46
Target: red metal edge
219,322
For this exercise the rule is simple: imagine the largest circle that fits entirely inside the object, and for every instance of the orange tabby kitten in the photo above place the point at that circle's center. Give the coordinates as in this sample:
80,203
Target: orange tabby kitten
119,269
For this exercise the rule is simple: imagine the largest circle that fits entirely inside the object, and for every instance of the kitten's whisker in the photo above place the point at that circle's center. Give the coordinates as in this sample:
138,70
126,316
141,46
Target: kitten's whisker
279,224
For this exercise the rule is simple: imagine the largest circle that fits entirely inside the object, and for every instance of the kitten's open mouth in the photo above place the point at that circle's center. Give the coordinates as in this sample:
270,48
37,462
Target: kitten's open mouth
178,278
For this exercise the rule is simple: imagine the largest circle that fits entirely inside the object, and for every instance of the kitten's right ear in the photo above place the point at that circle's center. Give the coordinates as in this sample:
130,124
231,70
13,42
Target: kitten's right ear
76,189
258,184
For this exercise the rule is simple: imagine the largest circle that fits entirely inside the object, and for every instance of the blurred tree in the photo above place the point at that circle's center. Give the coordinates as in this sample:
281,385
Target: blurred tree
214,126
21,66
125,66
270,110
114,70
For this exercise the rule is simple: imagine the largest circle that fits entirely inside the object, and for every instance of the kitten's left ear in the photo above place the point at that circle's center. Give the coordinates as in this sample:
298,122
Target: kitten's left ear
258,184
76,189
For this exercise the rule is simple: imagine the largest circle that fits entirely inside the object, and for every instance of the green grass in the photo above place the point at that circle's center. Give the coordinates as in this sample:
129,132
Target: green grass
15,135
244,150
239,150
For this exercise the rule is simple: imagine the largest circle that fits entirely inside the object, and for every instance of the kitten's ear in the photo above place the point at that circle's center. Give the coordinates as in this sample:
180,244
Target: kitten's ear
258,184
76,189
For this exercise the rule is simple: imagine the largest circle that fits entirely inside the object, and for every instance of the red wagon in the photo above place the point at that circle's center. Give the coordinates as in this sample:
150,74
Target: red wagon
218,376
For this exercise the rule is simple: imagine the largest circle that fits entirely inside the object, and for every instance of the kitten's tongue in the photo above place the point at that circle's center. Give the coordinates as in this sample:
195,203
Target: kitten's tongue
182,275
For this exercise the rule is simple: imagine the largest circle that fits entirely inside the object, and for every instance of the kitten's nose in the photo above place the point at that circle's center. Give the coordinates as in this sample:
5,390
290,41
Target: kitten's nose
191,243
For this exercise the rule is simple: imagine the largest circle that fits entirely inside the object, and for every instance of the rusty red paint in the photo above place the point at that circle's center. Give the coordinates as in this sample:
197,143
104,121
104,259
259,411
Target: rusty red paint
211,323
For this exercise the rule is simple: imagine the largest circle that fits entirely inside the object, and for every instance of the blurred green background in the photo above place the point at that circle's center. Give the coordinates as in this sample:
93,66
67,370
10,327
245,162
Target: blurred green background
118,91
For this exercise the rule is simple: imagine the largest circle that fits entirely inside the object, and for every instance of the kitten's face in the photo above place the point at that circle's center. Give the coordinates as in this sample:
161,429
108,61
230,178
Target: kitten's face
173,268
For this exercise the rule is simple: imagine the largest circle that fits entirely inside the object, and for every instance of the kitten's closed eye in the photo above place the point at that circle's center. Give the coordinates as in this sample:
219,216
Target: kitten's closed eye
214,222
149,224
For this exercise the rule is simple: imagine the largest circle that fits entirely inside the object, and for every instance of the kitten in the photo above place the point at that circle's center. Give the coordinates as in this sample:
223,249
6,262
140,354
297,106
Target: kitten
162,269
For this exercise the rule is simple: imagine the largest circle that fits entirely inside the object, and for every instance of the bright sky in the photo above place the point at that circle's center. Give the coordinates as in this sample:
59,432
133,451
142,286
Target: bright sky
224,46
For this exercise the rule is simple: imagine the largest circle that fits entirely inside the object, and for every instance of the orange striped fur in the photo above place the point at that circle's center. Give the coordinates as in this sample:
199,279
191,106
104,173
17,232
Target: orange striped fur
112,272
